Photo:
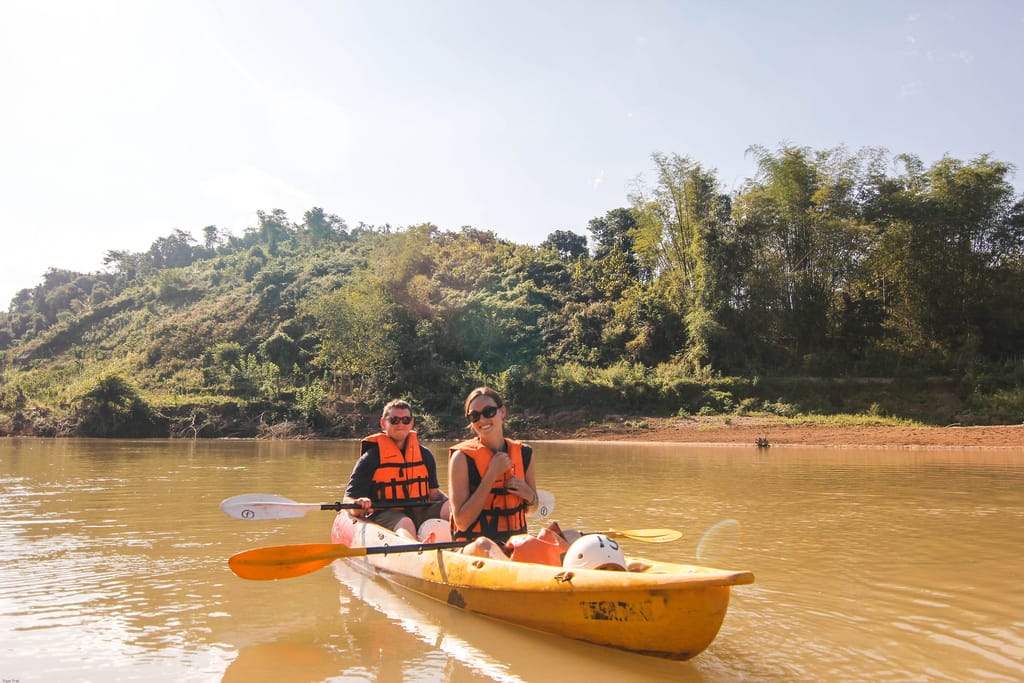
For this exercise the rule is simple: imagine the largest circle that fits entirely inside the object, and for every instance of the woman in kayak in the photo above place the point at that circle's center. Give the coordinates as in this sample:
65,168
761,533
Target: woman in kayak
491,479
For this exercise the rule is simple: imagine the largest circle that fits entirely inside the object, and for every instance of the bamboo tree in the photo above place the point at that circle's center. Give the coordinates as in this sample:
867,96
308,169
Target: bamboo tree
954,235
803,216
682,225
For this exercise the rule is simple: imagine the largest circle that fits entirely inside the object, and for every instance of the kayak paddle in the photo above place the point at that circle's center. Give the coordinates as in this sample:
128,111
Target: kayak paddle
545,504
262,506
286,561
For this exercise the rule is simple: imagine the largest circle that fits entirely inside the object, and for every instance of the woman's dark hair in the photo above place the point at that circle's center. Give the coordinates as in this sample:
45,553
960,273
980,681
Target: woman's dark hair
482,391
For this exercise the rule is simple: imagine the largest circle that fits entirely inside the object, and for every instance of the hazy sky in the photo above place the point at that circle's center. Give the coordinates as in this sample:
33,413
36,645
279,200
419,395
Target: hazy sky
121,121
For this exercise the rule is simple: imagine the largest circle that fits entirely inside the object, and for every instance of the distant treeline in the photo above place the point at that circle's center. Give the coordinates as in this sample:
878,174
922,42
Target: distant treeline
825,264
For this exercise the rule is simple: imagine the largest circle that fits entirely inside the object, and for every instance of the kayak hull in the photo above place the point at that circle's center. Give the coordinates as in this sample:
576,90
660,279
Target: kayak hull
667,610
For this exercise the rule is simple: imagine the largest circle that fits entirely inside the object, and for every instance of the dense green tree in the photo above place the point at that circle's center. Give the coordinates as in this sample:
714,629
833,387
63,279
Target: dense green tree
177,250
683,223
22,302
614,237
281,350
802,215
951,241
212,238
320,227
274,229
359,346
567,244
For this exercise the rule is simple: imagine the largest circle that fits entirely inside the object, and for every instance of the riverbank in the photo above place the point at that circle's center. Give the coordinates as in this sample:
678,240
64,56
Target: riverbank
580,426
749,431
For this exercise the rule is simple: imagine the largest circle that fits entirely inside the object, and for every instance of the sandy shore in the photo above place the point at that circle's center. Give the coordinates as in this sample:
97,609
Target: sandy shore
748,431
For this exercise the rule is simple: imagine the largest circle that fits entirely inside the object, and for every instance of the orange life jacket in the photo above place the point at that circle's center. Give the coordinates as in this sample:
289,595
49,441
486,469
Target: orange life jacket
400,476
504,513
547,547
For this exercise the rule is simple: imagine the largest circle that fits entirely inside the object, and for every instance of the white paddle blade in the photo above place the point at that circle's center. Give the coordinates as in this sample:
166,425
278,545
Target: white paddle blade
259,507
545,505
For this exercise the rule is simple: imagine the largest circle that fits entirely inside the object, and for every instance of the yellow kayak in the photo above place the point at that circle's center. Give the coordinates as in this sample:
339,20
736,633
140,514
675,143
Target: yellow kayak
666,610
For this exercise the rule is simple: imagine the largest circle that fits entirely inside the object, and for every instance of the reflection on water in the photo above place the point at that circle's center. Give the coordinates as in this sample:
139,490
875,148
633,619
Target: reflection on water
424,624
870,565
286,663
480,648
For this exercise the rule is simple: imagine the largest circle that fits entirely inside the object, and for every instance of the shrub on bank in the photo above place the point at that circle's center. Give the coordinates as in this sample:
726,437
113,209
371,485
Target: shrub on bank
112,407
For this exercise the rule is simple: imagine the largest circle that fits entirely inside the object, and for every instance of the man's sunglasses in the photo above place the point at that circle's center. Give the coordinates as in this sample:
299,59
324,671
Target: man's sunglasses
405,419
488,412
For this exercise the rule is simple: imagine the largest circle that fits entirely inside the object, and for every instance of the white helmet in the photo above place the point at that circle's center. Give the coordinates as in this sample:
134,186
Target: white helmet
441,530
594,551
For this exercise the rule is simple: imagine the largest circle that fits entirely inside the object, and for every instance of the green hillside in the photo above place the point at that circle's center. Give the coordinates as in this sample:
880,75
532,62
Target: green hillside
831,283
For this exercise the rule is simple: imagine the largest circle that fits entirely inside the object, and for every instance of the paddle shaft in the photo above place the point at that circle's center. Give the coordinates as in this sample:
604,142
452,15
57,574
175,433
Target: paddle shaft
413,548
376,506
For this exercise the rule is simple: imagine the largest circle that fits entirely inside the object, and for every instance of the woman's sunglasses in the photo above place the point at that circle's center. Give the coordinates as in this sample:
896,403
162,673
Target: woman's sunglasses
406,420
488,412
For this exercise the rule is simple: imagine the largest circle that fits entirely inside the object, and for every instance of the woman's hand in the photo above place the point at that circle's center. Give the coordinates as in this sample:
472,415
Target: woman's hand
522,489
500,463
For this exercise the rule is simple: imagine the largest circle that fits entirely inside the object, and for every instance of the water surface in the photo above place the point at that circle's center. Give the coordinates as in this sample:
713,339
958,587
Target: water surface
871,565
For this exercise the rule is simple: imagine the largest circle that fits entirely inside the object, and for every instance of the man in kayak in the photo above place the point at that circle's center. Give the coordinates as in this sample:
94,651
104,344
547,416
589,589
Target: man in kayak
395,468
491,478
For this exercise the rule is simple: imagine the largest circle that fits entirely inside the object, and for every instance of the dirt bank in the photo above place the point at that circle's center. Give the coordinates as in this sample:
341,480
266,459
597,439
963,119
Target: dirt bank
747,431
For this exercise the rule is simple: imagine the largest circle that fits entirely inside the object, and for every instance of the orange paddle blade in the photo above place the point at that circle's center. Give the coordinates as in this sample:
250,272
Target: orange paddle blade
287,561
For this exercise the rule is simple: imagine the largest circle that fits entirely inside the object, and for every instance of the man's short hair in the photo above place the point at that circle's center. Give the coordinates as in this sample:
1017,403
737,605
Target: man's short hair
397,403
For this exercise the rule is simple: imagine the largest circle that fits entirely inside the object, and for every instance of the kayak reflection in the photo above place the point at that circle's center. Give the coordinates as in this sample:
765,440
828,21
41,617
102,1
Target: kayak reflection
501,652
